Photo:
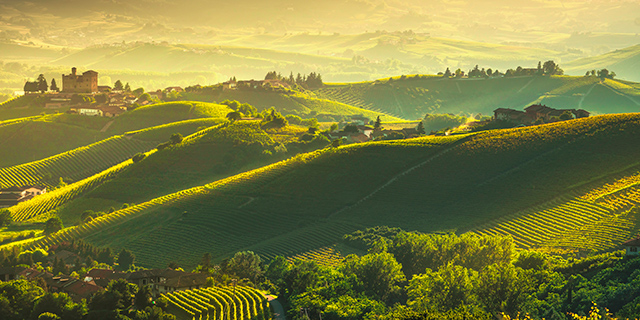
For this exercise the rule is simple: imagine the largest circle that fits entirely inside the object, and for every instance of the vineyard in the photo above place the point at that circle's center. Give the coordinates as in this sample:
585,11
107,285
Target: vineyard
56,198
75,164
219,303
413,97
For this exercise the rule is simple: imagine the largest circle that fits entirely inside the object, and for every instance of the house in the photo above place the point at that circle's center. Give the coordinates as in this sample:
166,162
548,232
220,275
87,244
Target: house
537,111
632,247
229,85
183,282
511,115
358,138
13,195
253,84
157,95
15,273
75,288
111,111
176,89
85,83
366,130
102,277
104,89
89,111
360,120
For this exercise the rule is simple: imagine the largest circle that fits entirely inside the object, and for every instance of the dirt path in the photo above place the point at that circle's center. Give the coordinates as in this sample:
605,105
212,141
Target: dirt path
278,310
106,126
526,85
458,85
251,199
585,95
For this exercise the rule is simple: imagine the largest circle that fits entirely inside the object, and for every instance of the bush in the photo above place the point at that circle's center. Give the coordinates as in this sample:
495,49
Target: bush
5,217
138,157
53,225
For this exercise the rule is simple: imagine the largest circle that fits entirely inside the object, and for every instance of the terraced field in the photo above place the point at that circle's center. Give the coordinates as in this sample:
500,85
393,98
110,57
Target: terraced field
75,164
325,256
413,97
56,198
599,220
508,180
219,303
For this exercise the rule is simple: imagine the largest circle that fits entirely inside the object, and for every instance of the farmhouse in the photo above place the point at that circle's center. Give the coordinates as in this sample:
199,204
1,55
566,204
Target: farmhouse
85,83
535,112
14,195
632,247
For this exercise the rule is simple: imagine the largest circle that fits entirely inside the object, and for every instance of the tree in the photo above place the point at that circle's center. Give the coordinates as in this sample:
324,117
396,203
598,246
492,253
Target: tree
447,73
350,128
336,143
42,83
420,128
378,124
206,260
246,264
127,87
118,86
551,68
53,225
566,116
138,157
5,217
101,98
234,116
54,86
176,138
143,298
125,259
138,92
380,274
444,290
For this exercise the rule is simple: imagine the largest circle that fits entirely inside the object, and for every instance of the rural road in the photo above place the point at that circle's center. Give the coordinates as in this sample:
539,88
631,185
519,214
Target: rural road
278,311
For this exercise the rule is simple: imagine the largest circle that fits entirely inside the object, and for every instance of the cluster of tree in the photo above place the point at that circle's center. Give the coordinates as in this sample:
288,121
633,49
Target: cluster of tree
244,109
437,122
5,218
40,85
82,99
118,86
273,119
30,300
549,68
602,74
311,81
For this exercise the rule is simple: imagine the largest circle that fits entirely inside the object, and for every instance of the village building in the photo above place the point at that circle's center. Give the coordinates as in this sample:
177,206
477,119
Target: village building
14,195
75,288
85,83
15,273
632,247
229,85
176,89
535,112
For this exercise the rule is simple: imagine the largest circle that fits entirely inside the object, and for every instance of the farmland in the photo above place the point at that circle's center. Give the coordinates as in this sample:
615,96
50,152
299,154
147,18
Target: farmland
413,96
218,303
308,202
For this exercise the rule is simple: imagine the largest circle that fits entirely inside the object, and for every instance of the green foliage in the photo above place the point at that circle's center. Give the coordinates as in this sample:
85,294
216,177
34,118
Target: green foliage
125,259
176,138
380,273
245,264
138,157
17,299
437,122
5,218
53,225
445,289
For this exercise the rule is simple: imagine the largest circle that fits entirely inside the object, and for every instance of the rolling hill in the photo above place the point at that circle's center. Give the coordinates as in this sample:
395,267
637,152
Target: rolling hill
624,62
426,184
38,137
413,96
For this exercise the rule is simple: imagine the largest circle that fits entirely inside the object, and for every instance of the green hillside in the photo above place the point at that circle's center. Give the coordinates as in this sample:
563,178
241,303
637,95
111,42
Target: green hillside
208,155
414,96
303,104
82,162
624,62
309,201
164,113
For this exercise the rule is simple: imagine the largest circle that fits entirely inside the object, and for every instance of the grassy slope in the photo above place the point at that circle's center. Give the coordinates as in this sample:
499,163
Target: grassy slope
41,137
412,98
82,162
625,63
211,154
310,201
301,104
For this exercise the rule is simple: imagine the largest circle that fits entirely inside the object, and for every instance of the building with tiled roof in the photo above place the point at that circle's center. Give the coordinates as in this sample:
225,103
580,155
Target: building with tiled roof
632,247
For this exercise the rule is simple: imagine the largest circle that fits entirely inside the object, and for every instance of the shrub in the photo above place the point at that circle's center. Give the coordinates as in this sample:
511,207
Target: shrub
138,157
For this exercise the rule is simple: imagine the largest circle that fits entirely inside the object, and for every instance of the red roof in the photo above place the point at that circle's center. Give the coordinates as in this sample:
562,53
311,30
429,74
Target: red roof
633,242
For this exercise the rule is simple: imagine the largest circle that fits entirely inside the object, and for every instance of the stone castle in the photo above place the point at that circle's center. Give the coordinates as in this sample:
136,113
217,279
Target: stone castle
85,83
